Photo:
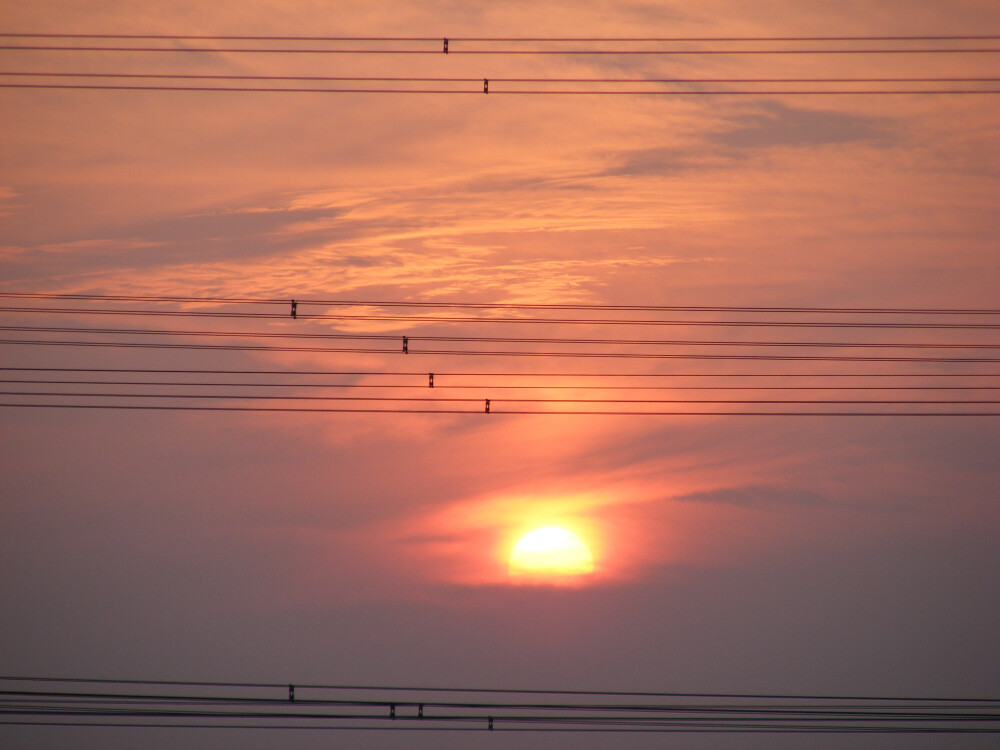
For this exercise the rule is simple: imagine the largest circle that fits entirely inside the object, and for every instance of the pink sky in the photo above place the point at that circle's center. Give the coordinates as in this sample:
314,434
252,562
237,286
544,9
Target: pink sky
738,554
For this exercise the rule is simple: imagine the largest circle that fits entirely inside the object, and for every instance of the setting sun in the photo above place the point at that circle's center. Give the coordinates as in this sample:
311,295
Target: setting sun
550,552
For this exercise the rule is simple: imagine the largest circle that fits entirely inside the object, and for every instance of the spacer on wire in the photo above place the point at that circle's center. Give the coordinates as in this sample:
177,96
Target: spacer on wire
486,85
392,710
487,406
291,693
430,380
446,45
420,711
406,345
295,308
491,723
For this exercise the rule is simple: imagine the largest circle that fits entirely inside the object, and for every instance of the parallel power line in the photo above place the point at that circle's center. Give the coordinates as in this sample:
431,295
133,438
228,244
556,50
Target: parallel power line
699,39
451,318
501,92
505,691
497,386
572,393
514,45
509,412
439,79
506,374
501,339
451,305
505,400
161,704
505,352
524,46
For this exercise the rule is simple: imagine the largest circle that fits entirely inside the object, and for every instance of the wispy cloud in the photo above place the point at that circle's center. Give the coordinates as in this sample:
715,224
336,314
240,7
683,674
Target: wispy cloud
773,124
757,496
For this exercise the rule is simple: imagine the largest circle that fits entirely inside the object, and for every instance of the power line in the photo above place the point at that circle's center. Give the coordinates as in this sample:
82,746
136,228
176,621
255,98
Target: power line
482,85
789,707
543,730
262,705
495,51
684,723
500,92
494,373
515,320
495,386
492,79
504,691
284,301
505,353
498,339
300,38
495,92
498,401
511,412
39,700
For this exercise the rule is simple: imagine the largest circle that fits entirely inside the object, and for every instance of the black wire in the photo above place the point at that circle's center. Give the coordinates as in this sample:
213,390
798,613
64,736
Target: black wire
498,92
503,691
424,373
496,401
64,703
383,728
477,89
520,52
685,714
686,710
832,724
519,412
479,80
495,339
963,709
812,724
505,353
494,386
493,319
299,38
508,306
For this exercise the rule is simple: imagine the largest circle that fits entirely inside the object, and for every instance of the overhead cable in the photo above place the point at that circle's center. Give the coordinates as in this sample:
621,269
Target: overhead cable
368,687
495,401
512,412
301,38
498,79
507,319
439,386
505,353
861,310
500,339
507,373
501,92
625,51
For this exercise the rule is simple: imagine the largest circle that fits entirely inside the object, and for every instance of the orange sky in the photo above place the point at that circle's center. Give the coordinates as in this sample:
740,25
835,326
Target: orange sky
150,536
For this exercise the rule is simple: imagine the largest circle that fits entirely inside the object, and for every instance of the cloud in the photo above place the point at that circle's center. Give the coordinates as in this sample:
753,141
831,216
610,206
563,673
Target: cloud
513,235
231,235
757,496
776,124
653,161
767,124
239,223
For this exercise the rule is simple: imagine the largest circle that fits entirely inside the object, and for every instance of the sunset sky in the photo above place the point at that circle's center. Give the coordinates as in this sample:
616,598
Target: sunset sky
731,554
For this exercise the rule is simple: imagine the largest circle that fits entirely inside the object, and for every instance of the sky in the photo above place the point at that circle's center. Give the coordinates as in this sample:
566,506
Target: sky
793,555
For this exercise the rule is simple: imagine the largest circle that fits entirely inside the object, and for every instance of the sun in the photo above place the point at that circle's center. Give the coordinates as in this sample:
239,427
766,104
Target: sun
550,553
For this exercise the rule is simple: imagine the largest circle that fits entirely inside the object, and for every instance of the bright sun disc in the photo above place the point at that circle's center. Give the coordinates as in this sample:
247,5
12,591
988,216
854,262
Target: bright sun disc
550,552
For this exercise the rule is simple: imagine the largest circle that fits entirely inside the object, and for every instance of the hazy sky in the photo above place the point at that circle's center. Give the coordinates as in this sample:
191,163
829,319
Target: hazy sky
754,555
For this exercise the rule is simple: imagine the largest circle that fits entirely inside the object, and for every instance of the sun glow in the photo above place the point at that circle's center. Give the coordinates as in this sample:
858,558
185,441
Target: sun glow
550,553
